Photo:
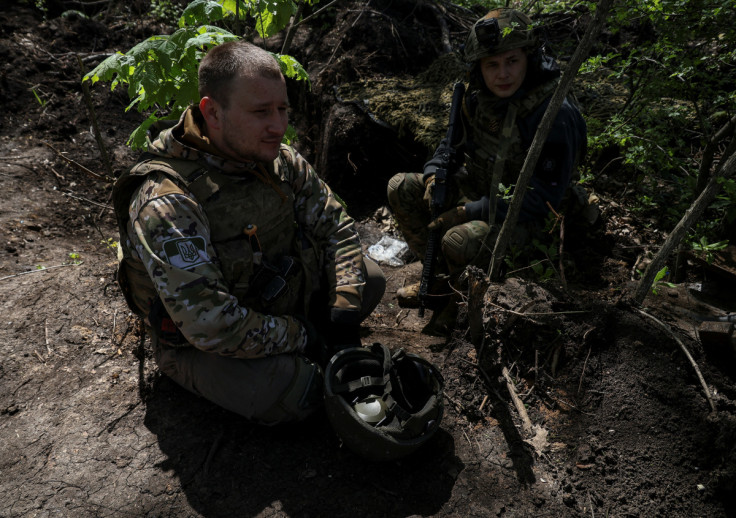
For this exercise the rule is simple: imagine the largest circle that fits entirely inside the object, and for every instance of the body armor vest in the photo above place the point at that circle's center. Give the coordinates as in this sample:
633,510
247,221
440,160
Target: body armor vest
252,229
494,146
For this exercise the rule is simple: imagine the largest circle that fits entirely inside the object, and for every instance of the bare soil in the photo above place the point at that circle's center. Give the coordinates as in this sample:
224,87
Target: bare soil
620,425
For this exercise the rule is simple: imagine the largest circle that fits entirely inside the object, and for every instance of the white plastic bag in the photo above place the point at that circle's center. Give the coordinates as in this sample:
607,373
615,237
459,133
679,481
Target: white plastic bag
388,251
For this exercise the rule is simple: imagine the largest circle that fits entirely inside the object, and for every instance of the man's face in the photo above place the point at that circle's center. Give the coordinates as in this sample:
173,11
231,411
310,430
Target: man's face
504,73
252,127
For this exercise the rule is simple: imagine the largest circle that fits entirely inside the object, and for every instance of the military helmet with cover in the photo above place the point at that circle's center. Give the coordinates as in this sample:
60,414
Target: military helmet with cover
500,30
383,406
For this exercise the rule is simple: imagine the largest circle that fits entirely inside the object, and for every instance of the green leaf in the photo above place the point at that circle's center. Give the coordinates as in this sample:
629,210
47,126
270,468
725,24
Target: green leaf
291,68
272,16
201,12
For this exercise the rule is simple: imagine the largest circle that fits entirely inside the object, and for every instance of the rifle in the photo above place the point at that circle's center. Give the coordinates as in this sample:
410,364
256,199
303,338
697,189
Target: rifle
439,194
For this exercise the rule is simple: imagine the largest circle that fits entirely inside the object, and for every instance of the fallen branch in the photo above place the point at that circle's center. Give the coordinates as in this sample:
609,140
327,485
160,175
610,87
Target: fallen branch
691,216
79,166
79,198
526,423
39,270
666,328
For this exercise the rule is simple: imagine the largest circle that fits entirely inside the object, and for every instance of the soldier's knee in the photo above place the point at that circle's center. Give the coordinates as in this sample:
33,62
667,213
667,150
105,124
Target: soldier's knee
301,398
461,244
392,191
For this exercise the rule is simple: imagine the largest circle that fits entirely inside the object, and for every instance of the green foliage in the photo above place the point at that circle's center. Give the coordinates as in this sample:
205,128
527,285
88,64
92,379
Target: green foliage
165,10
682,50
161,72
706,249
661,274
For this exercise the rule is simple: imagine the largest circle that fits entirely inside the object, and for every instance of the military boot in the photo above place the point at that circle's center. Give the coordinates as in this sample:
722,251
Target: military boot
439,289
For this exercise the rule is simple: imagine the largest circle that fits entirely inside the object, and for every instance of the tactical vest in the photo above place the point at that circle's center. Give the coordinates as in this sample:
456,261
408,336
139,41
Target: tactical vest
495,147
253,230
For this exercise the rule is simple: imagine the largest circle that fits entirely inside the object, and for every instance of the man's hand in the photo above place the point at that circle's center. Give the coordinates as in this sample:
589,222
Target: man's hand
315,344
448,219
344,330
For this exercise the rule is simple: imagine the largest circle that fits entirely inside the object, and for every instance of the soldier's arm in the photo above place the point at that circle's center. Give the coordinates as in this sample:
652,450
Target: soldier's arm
325,219
171,236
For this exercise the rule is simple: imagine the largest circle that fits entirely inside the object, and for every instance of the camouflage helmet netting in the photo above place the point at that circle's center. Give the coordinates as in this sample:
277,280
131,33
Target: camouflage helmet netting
513,29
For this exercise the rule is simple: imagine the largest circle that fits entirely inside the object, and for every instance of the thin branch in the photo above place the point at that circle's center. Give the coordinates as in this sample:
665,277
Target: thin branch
692,214
526,423
87,201
79,166
666,328
40,270
540,137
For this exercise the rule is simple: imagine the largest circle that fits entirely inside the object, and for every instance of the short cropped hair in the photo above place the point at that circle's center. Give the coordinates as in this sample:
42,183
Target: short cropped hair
231,60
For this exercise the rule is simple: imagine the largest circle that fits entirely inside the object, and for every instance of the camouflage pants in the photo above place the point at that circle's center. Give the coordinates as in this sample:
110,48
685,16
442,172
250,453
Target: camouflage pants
467,244
270,390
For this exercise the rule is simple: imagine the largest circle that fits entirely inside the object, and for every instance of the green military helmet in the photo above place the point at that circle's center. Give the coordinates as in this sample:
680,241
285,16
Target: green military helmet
383,406
499,31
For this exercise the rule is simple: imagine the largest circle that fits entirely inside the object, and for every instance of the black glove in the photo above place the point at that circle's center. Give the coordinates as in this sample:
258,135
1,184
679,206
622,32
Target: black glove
440,160
478,210
343,331
315,343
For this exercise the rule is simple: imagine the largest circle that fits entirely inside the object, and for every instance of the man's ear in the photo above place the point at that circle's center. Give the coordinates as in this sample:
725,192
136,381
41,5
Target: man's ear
211,111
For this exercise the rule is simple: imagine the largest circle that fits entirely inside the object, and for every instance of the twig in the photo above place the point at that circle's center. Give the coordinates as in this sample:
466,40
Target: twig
544,313
582,374
211,454
315,13
46,334
87,201
79,166
687,353
93,118
562,251
114,321
526,423
483,403
39,270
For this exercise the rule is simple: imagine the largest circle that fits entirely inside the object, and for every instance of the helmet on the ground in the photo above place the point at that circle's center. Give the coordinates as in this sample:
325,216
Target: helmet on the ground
383,406
499,31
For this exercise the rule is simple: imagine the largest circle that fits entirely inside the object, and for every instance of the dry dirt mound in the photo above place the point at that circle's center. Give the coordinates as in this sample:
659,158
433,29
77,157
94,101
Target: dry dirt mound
619,423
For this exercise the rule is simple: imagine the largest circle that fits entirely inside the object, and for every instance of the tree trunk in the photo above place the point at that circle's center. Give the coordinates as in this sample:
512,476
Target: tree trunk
691,216
540,137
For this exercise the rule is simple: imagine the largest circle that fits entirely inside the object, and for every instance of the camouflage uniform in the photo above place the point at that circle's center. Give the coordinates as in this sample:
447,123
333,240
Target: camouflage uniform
228,253
497,135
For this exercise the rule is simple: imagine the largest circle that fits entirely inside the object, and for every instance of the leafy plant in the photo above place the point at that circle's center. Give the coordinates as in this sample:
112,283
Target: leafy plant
673,78
661,274
161,72
40,101
707,249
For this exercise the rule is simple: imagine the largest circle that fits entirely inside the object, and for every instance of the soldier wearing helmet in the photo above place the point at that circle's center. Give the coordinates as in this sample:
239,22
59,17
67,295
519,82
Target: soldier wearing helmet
510,84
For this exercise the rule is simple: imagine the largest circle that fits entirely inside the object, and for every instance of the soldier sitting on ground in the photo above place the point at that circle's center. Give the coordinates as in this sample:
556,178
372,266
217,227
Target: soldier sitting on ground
234,251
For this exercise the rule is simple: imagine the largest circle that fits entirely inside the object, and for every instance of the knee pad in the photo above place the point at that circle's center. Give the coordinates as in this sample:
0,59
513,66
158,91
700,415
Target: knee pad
455,245
463,244
393,186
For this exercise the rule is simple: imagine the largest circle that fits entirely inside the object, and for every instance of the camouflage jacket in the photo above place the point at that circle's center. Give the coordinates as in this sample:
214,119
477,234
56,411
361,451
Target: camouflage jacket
499,133
206,236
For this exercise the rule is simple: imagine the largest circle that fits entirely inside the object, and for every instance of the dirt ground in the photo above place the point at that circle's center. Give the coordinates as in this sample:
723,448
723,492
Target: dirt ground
620,425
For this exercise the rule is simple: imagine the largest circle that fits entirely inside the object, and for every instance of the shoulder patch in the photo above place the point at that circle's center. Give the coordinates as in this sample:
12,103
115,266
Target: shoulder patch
186,252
